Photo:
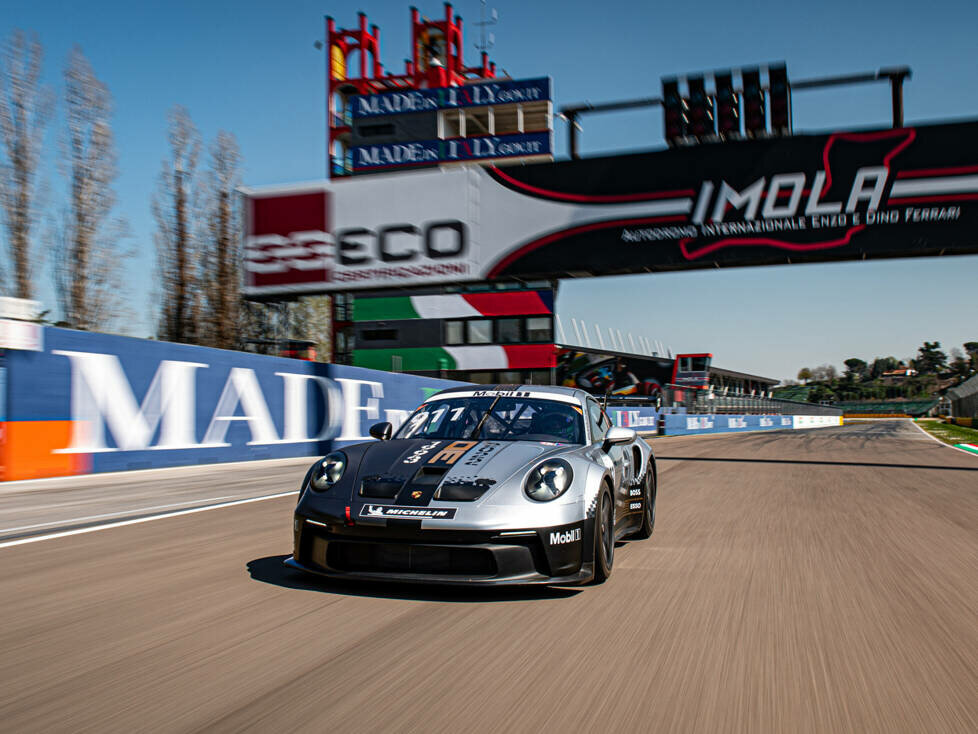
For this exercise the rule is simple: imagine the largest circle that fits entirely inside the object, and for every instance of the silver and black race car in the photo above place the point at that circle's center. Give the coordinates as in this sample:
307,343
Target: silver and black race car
511,484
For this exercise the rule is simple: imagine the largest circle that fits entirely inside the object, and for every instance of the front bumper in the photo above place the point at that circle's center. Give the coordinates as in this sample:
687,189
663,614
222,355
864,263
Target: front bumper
402,551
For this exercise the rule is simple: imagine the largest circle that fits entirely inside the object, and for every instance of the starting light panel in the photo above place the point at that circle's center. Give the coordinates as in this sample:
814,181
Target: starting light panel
755,117
728,107
674,108
780,100
702,116
701,124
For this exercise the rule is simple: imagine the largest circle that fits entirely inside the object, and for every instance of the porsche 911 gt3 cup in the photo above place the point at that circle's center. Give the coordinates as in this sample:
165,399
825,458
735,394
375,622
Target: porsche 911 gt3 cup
480,485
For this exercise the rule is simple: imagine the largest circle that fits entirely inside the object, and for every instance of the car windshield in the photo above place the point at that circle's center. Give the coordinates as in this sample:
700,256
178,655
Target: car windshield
496,418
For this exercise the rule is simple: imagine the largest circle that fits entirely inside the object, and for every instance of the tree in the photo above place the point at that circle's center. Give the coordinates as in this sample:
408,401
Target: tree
175,208
220,325
972,349
883,364
266,326
89,275
825,373
804,374
960,365
313,321
821,394
856,369
25,107
930,359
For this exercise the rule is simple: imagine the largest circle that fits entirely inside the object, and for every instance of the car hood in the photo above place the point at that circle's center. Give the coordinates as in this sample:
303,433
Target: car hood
486,463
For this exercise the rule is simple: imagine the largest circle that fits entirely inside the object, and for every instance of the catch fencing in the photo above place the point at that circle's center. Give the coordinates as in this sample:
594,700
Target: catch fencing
707,402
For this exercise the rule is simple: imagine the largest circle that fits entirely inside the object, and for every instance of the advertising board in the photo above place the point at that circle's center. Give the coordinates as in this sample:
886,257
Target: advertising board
94,403
400,155
840,196
507,91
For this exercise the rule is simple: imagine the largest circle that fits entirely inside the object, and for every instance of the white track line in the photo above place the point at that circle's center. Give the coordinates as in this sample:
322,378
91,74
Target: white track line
138,520
933,438
188,504
20,485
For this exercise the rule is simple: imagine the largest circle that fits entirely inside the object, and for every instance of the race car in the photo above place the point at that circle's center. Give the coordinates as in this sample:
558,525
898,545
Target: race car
485,485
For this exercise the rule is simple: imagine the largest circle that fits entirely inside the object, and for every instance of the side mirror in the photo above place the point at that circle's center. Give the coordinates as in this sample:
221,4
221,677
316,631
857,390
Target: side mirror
617,436
382,431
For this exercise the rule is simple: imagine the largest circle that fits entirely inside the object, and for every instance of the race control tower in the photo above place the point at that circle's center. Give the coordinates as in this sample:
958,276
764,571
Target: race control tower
438,112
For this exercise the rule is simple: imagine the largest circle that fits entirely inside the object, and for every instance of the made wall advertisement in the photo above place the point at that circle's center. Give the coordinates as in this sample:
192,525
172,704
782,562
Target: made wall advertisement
96,403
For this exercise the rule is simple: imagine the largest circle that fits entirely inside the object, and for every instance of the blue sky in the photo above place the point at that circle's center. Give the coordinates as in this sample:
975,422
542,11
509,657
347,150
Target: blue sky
251,68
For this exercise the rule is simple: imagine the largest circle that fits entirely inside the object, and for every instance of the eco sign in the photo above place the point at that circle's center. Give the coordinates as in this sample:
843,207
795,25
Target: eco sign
840,196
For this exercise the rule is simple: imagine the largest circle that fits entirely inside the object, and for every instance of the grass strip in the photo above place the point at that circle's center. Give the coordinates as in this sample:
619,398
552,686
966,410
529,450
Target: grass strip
948,432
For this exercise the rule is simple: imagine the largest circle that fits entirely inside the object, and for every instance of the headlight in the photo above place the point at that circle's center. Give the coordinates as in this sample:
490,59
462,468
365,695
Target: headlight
329,471
549,480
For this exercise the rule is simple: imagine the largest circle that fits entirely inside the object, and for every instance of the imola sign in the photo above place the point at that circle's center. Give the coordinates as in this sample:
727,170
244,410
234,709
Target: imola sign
839,196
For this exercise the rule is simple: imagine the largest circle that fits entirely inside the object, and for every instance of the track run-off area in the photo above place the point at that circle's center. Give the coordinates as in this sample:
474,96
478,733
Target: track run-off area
799,581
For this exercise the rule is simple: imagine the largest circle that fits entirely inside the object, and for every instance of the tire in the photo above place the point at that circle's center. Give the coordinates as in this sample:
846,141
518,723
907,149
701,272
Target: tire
604,537
648,511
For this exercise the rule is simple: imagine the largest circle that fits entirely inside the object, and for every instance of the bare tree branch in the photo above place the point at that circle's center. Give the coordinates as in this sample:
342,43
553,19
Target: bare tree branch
220,273
25,108
89,270
176,210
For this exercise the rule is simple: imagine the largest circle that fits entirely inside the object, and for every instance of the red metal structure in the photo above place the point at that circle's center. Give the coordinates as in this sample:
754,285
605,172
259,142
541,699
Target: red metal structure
436,62
692,370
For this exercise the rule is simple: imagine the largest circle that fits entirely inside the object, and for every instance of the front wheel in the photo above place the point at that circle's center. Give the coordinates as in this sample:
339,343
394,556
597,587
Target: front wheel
604,538
648,511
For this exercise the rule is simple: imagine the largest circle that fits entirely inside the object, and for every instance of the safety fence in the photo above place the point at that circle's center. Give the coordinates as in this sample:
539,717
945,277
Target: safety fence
710,402
884,408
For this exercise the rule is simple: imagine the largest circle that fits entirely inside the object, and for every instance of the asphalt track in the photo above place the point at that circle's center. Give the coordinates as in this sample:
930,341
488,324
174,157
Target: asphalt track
822,581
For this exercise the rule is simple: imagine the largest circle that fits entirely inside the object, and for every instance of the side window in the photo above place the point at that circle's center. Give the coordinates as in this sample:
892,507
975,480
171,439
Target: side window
597,421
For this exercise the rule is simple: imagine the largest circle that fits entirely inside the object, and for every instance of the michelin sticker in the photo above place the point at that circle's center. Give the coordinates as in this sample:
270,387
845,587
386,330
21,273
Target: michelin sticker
384,511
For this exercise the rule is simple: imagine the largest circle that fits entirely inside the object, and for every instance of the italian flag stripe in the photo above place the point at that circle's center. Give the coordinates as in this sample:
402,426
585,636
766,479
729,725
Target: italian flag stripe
411,360
384,309
525,303
973,448
530,356
450,306
489,357
453,306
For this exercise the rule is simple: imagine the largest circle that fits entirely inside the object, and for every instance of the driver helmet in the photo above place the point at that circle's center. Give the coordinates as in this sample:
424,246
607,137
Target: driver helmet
555,422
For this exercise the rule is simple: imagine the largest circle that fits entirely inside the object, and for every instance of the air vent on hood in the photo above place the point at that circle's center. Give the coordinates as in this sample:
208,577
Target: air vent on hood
463,491
381,487
428,476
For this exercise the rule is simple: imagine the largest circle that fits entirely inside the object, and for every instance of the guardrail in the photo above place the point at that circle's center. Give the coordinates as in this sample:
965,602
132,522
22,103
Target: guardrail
704,402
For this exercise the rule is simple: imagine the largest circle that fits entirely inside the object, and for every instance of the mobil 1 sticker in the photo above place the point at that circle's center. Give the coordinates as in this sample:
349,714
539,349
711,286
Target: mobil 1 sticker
418,513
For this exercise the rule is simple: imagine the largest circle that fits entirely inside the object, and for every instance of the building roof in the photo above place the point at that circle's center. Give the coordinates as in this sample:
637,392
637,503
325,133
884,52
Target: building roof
743,375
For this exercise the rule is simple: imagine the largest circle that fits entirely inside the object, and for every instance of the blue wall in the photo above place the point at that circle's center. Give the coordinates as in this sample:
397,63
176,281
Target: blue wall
641,419
136,403
685,425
